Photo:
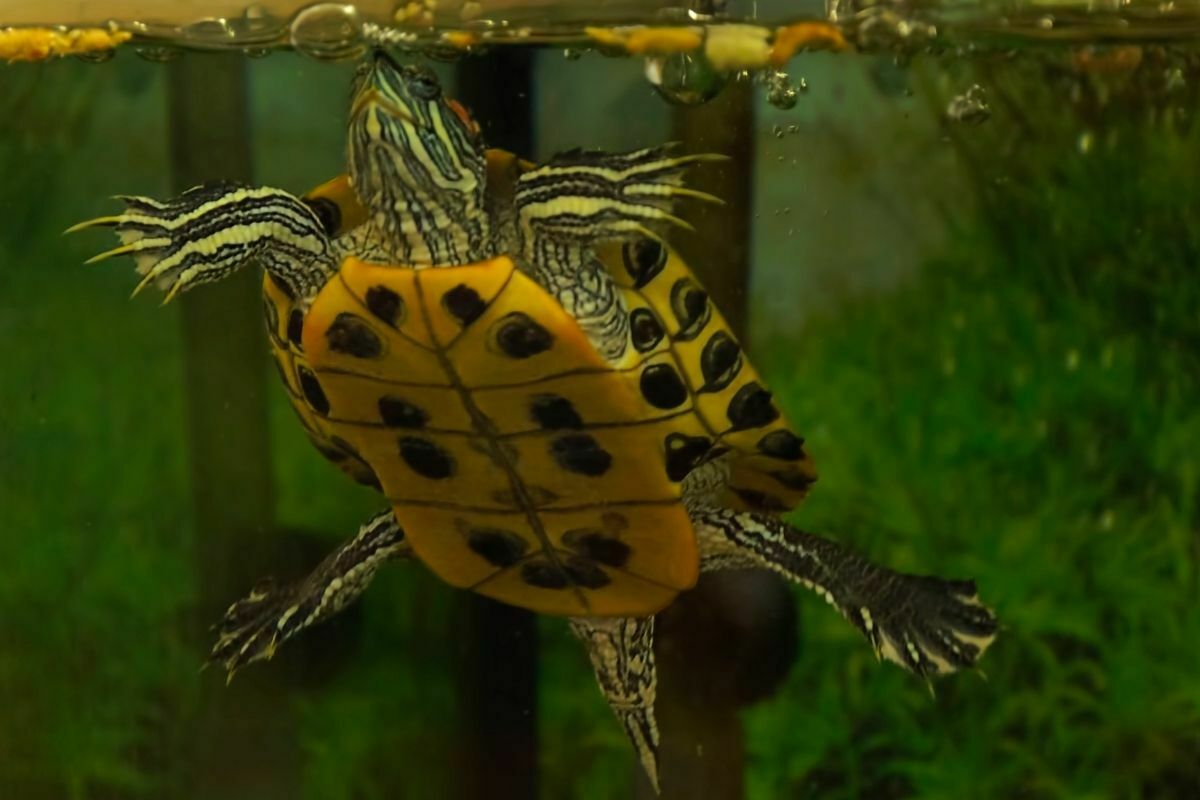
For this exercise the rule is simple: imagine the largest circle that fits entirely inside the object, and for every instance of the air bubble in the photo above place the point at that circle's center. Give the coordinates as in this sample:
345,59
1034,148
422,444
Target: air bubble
685,79
572,54
211,30
159,55
780,91
97,56
257,26
970,107
328,31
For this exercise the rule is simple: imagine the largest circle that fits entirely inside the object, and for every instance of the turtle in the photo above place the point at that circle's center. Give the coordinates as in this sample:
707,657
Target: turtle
554,410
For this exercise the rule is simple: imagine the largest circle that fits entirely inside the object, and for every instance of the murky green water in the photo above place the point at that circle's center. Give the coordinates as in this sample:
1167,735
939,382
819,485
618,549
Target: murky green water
958,243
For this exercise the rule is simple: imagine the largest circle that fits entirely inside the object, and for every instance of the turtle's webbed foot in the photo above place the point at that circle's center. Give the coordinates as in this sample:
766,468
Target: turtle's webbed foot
254,627
211,231
927,625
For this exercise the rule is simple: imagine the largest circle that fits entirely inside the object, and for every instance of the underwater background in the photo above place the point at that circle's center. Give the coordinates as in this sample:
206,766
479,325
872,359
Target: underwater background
986,323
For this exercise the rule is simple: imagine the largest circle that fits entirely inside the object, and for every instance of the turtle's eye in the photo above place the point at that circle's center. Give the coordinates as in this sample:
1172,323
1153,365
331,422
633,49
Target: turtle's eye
425,86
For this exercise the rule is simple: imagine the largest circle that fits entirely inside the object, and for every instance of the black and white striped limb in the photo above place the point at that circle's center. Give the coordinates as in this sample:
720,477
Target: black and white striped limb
622,654
928,625
592,197
255,626
211,231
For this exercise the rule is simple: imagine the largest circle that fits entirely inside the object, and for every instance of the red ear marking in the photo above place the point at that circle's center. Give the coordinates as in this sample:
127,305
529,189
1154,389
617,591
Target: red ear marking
459,109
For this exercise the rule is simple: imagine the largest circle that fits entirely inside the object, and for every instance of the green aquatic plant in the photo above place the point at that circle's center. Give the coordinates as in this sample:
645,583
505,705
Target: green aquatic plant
1025,410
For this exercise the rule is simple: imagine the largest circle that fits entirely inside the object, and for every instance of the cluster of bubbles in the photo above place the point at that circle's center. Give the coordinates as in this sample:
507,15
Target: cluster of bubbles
324,31
690,79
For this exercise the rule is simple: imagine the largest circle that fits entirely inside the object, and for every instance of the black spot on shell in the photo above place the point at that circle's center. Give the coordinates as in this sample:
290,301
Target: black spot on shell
584,572
426,457
684,453
342,453
396,412
350,462
782,444
279,368
499,548
751,407
644,259
581,453
464,304
518,336
295,327
645,330
310,387
553,412
689,304
330,452
720,362
385,304
662,387
271,315
351,335
598,546
793,479
365,476
327,212
760,501
543,575
283,288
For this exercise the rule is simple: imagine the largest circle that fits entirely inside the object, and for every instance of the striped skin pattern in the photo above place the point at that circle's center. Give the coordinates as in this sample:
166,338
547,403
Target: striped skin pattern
274,615
622,655
211,231
424,181
595,385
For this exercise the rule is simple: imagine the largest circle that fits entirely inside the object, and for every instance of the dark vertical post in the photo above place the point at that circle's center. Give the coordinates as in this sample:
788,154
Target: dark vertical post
498,667
242,745
720,253
729,641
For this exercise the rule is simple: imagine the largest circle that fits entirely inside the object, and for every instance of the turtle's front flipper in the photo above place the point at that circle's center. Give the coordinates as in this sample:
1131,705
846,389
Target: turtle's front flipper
255,626
622,653
925,624
210,231
592,197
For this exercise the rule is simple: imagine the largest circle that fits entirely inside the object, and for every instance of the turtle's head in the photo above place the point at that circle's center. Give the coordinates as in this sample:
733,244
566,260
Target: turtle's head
417,163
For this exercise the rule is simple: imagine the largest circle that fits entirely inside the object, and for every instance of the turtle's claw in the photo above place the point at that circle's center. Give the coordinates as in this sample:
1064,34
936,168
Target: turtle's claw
253,627
927,625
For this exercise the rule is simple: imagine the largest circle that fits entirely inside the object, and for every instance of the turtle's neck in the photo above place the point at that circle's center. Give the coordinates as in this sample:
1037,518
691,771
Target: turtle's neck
425,231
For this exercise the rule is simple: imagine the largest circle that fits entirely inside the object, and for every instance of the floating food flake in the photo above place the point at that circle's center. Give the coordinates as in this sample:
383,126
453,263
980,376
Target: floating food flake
644,40
463,40
734,47
807,35
39,44
416,12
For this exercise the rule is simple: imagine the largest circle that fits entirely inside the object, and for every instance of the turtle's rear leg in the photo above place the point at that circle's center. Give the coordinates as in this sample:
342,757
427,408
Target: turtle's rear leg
622,654
255,626
211,231
927,625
